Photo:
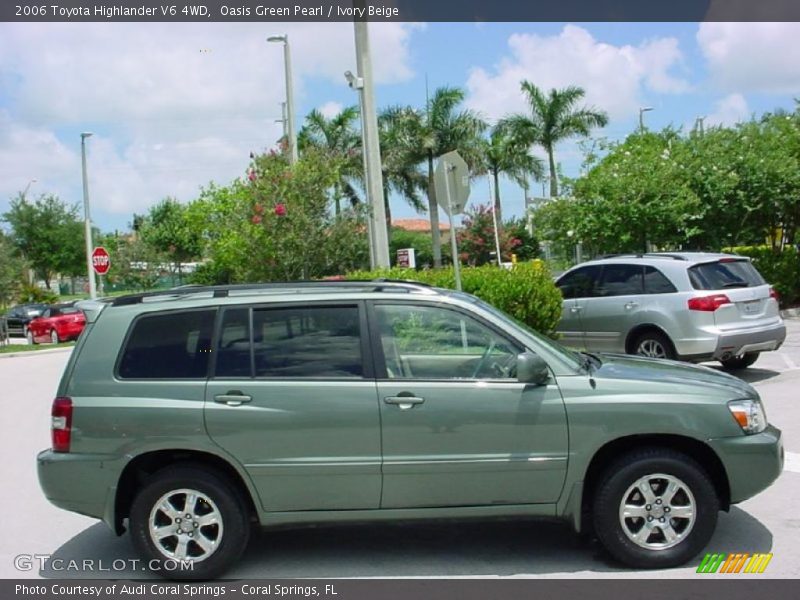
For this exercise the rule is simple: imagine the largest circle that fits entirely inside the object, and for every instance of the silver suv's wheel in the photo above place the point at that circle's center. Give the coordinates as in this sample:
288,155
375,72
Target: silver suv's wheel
655,508
189,515
653,344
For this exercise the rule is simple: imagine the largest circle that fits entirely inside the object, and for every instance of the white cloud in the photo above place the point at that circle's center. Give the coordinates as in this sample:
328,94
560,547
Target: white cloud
173,106
330,109
729,110
752,57
615,77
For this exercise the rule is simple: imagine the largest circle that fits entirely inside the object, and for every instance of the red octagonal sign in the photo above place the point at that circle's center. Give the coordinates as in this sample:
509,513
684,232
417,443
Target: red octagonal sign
101,261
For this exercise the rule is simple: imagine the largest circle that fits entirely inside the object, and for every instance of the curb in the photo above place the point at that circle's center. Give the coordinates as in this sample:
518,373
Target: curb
791,313
35,352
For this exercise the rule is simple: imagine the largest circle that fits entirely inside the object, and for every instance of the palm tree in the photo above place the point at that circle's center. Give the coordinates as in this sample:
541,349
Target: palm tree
504,154
337,138
442,128
400,169
553,118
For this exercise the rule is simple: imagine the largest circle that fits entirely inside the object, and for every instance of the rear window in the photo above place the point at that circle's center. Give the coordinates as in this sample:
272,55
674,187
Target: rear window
725,274
174,345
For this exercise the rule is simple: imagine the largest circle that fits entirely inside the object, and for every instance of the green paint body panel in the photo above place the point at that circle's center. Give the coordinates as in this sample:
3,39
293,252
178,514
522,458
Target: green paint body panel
317,450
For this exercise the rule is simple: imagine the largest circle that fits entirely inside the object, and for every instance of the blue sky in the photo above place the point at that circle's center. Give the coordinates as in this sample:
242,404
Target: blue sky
174,106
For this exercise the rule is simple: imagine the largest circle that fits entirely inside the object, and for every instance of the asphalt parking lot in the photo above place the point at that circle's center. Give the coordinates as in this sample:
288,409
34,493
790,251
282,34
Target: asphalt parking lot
766,523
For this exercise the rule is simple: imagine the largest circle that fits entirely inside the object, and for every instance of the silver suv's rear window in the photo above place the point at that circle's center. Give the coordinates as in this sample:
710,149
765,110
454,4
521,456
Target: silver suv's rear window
724,274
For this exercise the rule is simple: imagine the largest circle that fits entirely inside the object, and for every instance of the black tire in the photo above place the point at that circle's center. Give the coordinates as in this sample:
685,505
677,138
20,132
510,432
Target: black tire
54,337
614,488
653,339
231,537
740,362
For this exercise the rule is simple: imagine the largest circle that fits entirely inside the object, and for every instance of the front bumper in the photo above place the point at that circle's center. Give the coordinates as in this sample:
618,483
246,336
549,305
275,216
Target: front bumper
752,462
85,484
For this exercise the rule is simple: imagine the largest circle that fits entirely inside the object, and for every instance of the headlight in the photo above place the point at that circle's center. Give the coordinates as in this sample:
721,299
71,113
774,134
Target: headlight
749,414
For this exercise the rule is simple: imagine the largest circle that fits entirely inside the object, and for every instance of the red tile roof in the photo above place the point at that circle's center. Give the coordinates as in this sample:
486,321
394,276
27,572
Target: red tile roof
419,224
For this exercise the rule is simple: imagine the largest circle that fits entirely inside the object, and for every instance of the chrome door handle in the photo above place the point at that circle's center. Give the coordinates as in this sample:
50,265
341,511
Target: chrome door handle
404,402
631,305
232,398
576,309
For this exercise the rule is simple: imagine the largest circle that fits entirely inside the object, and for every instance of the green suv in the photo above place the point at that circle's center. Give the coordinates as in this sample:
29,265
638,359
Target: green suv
187,416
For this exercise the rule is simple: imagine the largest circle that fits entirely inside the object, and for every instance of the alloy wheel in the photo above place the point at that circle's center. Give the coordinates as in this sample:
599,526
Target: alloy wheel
186,524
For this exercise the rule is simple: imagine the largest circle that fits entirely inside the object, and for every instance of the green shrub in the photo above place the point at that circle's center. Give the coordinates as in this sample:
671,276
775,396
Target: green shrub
526,291
30,293
780,269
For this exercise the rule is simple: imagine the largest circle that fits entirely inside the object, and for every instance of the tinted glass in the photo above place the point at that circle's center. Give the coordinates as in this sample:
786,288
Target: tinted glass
621,280
233,348
656,283
579,283
173,345
724,274
322,341
423,342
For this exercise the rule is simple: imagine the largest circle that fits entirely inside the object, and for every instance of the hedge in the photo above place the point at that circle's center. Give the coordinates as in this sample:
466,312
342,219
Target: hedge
526,291
780,268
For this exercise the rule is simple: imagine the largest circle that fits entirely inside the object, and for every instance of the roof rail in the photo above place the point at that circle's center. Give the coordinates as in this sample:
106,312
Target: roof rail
223,291
643,255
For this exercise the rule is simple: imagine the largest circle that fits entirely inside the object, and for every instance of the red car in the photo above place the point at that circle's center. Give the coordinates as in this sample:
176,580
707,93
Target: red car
57,324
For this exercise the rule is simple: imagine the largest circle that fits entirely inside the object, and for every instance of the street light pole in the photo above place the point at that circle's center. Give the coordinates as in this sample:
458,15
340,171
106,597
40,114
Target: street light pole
643,110
27,187
287,58
372,149
87,220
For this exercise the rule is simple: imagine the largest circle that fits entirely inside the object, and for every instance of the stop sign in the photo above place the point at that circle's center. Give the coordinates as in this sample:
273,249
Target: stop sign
101,261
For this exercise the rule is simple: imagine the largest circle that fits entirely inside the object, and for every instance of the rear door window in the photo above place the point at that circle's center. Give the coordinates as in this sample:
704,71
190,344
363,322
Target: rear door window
725,274
173,345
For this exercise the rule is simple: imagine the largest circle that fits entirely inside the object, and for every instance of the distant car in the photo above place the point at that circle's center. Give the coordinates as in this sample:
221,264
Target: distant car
59,323
690,306
19,316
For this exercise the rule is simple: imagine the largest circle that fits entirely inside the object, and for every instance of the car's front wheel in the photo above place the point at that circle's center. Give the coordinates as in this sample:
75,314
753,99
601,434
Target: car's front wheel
655,508
29,337
54,336
740,362
189,516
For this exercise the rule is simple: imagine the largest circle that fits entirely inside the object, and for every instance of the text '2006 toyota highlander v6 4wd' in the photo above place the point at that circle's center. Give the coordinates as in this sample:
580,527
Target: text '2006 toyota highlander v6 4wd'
188,416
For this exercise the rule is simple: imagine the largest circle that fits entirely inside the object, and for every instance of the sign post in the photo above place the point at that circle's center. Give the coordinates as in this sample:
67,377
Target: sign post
451,180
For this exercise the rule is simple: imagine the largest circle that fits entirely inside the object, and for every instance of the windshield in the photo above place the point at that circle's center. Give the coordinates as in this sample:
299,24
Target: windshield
557,348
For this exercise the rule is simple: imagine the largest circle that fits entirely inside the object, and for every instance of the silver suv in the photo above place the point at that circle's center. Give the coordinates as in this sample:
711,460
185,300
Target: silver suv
685,305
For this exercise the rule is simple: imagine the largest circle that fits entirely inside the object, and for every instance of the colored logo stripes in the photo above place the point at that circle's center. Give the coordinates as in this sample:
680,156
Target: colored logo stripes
734,563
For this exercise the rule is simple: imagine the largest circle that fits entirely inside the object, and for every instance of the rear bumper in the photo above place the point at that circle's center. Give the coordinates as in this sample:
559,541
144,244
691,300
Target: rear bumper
79,483
752,462
717,344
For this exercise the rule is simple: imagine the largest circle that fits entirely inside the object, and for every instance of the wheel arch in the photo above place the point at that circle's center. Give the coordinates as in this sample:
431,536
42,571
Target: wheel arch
641,328
143,466
696,449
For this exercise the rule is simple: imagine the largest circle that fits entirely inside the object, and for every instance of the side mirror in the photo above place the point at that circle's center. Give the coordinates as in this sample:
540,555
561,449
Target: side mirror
531,368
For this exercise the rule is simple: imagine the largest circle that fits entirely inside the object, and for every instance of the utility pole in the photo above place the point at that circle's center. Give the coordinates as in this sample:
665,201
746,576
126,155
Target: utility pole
643,110
87,220
372,150
287,59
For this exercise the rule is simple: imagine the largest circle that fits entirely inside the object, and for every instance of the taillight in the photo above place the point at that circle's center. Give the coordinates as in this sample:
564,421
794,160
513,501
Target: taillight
708,303
61,427
773,293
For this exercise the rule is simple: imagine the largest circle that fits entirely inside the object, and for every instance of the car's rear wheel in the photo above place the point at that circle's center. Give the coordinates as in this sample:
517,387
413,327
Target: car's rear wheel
189,514
740,362
54,336
29,337
655,508
653,344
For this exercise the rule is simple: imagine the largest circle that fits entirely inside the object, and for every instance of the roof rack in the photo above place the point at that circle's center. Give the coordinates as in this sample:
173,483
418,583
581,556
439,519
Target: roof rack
643,255
223,291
